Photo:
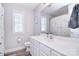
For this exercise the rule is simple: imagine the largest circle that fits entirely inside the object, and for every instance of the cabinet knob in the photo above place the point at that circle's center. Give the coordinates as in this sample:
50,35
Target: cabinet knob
0,43
1,15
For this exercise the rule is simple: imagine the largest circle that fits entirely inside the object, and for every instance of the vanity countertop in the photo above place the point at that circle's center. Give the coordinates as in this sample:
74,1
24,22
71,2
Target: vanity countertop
64,45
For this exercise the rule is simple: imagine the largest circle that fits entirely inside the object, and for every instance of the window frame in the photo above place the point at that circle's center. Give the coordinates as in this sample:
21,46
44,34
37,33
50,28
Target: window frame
44,24
20,13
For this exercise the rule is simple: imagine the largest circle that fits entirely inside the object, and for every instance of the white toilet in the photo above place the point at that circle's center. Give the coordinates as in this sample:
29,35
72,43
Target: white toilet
27,45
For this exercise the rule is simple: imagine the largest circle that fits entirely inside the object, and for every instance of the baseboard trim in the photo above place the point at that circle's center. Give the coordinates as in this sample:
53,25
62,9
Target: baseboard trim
13,50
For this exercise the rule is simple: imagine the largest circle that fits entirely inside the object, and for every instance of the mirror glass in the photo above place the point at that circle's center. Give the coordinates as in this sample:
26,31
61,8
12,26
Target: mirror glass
58,17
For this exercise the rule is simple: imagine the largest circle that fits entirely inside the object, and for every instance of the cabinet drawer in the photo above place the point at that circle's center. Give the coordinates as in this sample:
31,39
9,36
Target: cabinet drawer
34,42
54,53
42,54
45,49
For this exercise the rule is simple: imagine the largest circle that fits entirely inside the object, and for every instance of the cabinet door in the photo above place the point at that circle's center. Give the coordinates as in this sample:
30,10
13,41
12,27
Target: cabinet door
1,31
34,47
1,20
54,53
31,49
36,51
1,50
45,49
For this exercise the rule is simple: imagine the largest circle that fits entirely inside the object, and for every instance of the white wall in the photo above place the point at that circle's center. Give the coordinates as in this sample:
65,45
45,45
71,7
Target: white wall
59,25
11,40
37,18
37,24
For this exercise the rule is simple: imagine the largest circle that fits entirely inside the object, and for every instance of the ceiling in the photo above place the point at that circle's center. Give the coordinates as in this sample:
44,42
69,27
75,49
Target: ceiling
55,9
60,11
29,6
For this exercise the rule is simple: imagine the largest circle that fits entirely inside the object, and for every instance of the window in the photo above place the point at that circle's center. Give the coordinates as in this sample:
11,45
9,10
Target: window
43,24
18,22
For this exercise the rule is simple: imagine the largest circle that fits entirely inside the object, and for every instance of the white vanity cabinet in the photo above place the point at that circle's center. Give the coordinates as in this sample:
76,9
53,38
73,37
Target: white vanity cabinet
44,49
1,31
34,47
55,53
39,49
42,54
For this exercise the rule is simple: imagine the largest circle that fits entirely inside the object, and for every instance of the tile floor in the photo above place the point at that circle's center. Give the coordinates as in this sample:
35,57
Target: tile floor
19,53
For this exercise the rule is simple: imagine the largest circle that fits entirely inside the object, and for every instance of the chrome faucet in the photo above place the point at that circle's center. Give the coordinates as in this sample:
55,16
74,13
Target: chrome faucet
49,35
